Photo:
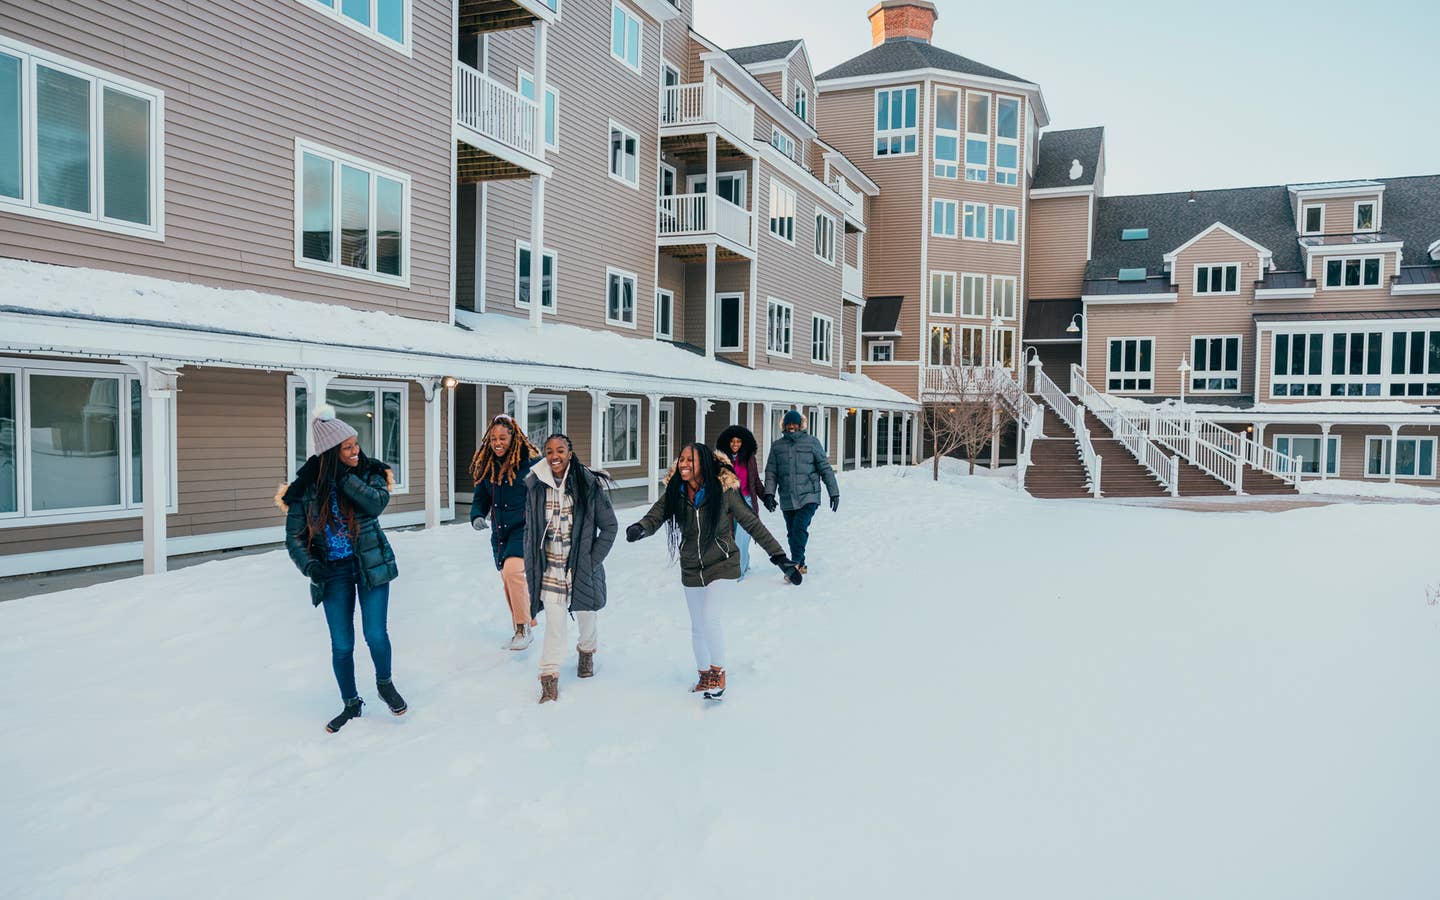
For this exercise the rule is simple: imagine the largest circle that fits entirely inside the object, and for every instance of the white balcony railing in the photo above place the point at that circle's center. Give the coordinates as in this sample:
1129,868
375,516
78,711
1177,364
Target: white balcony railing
853,281
495,111
683,215
706,103
857,199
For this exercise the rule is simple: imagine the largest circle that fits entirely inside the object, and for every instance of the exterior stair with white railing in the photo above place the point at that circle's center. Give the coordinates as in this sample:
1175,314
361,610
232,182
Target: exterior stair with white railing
1124,475
1056,470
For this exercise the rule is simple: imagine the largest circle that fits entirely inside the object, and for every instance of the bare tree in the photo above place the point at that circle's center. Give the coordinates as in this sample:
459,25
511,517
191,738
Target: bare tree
966,413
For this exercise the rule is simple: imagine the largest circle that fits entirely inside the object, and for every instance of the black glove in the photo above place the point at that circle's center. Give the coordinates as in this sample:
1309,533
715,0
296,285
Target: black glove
834,504
315,570
480,524
769,501
634,533
792,572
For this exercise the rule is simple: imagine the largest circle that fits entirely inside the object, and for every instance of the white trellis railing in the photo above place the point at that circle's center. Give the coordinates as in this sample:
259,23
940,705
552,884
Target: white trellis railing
705,102
494,110
1073,415
1128,433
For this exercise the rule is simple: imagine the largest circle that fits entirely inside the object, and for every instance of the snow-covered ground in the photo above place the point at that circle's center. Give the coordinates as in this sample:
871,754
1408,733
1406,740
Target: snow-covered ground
1340,487
974,694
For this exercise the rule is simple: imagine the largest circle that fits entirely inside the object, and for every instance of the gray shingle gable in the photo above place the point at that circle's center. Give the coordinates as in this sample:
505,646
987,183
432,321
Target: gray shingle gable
902,55
758,53
1058,149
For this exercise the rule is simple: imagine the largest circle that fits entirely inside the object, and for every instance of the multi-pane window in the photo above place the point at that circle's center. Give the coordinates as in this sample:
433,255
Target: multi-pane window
1005,224
620,297
386,19
942,345
1215,364
1313,217
778,316
78,145
353,216
977,136
975,215
376,410
522,277
1308,448
624,155
544,416
1217,279
1409,457
782,211
1297,361
895,121
942,218
1352,272
1004,348
942,293
728,321
1415,364
1365,216
626,33
1007,140
1130,365
620,433
802,102
552,109
947,133
882,351
1002,290
822,332
972,345
825,237
1355,364
665,315
784,143
972,295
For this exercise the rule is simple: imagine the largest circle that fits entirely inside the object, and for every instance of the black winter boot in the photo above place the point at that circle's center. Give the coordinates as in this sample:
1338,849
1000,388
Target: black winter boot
391,697
351,711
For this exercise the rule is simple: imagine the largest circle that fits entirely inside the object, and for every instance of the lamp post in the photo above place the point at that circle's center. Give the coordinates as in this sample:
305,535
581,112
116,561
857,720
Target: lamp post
1184,371
995,323
1074,326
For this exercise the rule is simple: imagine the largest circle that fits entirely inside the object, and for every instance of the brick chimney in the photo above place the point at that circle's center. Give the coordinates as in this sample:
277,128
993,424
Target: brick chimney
893,19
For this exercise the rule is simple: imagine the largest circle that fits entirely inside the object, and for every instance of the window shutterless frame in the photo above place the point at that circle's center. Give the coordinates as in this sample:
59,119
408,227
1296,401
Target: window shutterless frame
627,37
1285,445
974,219
1386,450
555,407
779,332
977,135
782,211
1130,365
1209,375
822,330
972,294
1003,296
550,285
665,314
730,309
295,441
631,423
371,27
525,85
1366,216
624,155
1312,224
943,218
1006,221
881,351
1216,279
1349,273
338,162
896,121
825,237
616,281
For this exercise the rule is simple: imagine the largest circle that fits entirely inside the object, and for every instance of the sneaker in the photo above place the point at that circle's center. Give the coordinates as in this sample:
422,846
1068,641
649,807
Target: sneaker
392,697
351,711
522,638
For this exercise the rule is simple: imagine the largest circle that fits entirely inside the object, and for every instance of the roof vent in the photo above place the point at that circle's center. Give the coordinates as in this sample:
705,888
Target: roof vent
1132,274
1076,170
1192,197
894,19
1134,234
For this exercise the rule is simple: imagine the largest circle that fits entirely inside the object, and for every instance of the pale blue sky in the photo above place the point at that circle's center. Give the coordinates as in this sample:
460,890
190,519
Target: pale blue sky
1220,94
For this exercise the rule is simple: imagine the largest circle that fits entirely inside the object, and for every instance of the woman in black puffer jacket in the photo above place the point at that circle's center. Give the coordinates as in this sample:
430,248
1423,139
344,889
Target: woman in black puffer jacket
333,535
499,468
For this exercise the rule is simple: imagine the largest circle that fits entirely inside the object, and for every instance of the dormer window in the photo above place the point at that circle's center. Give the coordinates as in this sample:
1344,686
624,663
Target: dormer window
1352,273
1365,216
1217,279
1313,219
802,103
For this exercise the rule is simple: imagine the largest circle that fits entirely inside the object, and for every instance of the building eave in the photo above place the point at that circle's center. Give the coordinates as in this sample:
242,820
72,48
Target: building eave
1030,90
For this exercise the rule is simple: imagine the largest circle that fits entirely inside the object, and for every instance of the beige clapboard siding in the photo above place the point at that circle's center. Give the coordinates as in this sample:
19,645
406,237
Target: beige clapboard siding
798,73
1057,239
675,42
730,277
1340,212
591,220
903,377
239,89
771,81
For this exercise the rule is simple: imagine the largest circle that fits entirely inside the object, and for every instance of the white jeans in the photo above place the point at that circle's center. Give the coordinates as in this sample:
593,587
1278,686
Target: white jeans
706,636
557,627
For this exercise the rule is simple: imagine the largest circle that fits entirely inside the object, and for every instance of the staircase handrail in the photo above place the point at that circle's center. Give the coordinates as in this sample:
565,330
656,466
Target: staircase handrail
1230,443
1128,432
1073,416
1021,404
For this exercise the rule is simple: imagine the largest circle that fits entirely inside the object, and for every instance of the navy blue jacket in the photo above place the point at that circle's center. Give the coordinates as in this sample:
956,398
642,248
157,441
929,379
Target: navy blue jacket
504,505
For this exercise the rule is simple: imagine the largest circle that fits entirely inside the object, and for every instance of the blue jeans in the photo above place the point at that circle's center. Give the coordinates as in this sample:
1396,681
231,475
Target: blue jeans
342,587
797,530
742,540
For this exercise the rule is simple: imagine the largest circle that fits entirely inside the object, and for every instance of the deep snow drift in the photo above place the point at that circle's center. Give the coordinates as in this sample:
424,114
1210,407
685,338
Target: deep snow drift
974,694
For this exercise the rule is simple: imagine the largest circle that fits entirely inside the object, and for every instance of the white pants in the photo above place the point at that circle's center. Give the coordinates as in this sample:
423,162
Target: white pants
557,628
706,636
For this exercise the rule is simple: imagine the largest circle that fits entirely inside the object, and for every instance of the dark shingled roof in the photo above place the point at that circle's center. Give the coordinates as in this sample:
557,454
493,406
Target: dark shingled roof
1380,314
1046,320
881,315
904,54
757,53
1058,149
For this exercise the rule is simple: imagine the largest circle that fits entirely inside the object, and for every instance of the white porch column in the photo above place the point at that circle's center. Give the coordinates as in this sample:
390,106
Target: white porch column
710,192
157,397
316,383
767,434
889,437
433,392
652,446
702,408
710,339
599,402
522,408
1394,434
537,243
909,444
857,442
874,438
1325,451
734,412
859,361
840,438
994,439
541,78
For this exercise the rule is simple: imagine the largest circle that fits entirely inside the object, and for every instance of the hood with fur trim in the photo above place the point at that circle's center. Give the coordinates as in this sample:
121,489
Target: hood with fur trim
289,492
728,479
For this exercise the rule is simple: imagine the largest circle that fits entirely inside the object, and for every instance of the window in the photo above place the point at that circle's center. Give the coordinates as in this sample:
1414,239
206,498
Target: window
620,297
822,329
1313,219
1005,219
522,277
729,186
620,433
552,108
386,20
1415,364
1003,295
378,411
942,293
352,217
977,137
942,218
544,415
1355,364
882,351
947,133
1131,365
625,36
1296,365
802,102
975,215
1215,364
665,315
1004,348
729,322
777,318
78,145
1217,279
1410,457
1007,140
895,123
972,345
942,345
972,295
1308,449
782,211
825,237
1365,216
1352,272
784,143
624,155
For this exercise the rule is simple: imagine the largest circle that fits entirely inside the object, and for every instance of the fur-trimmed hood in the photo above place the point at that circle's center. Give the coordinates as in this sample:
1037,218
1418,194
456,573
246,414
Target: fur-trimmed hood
728,480
290,492
748,445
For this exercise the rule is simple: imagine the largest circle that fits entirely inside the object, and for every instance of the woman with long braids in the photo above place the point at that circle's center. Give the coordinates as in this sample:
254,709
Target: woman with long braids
569,530
332,532
700,509
498,470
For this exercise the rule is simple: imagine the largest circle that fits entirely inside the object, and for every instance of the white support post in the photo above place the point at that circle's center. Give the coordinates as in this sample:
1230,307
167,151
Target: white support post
857,442
157,397
522,408
1394,436
910,439
541,77
537,246
767,434
889,437
859,364
734,412
710,339
994,438
710,192
702,409
652,446
433,393
1325,451
316,384
840,438
599,402
874,438
482,418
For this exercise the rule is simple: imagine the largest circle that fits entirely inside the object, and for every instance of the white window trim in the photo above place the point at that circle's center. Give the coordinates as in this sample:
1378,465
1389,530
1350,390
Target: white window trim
982,217
129,507
605,442
373,29
888,133
337,158
1195,283
954,281
966,335
1196,372
870,354
508,403
639,68
719,323
554,279
785,144
1324,280
29,204
937,132
1138,373
1305,214
960,295
995,228
777,184
935,221
692,182
829,343
996,342
659,292
930,344
610,272
293,440
834,240
630,133
1374,217
802,93
772,304
995,281
1290,446
550,90
1391,439
998,140
965,137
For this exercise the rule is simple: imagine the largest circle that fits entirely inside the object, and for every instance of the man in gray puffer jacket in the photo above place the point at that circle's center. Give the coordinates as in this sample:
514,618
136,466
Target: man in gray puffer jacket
797,465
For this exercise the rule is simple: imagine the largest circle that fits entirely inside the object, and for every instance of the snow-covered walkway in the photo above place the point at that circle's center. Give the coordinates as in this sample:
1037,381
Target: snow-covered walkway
974,694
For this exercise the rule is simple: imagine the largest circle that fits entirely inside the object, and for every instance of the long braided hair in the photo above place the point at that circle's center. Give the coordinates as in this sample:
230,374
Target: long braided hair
486,466
677,497
319,515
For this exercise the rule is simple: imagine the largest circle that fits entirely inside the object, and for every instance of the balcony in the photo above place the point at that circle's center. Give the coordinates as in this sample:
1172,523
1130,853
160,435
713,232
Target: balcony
942,383
495,129
856,216
852,283
485,16
683,224
696,108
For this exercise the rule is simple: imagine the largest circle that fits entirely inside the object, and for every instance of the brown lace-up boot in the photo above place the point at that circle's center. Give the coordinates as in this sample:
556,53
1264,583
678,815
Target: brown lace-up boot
703,684
716,690
549,688
586,668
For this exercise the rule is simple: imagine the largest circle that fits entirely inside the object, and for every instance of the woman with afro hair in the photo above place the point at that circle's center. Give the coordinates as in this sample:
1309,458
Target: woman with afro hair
739,445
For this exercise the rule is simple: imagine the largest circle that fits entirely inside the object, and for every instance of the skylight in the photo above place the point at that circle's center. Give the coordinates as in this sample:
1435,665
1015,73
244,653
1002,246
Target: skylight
1134,234
1132,275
